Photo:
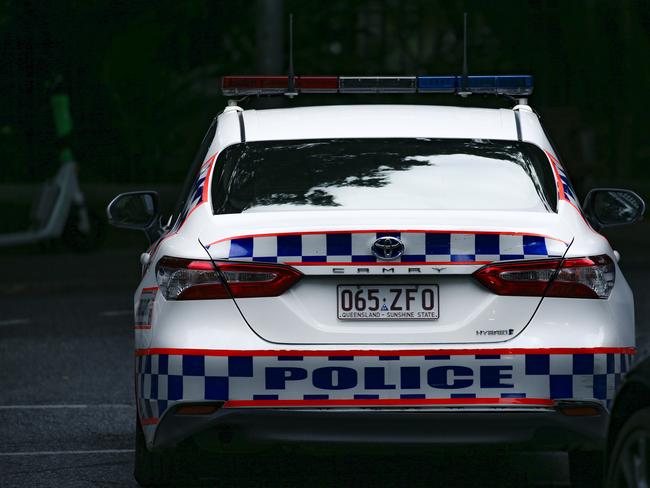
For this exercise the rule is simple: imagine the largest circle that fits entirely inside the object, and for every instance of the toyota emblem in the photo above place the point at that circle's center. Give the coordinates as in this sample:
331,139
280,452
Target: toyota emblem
388,248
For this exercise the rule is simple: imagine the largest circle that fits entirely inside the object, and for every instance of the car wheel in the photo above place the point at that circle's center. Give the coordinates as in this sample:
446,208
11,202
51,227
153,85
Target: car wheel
629,465
586,468
158,468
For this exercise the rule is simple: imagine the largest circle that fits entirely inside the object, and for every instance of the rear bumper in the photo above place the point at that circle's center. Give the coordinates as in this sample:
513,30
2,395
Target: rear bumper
374,396
535,428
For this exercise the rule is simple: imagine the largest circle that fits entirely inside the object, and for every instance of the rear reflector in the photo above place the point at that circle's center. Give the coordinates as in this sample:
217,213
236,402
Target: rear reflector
197,409
187,279
591,277
579,411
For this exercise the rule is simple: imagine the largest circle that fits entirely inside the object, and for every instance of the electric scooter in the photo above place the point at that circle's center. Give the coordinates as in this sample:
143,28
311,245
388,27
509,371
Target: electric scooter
59,211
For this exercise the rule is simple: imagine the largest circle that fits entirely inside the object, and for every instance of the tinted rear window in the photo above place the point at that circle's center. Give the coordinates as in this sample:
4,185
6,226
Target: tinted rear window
356,174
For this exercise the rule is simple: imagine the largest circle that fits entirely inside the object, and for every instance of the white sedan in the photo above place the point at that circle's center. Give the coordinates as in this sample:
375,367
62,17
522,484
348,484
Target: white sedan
378,273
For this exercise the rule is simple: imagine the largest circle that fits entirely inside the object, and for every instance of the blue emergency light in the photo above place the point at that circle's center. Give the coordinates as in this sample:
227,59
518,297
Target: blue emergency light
510,85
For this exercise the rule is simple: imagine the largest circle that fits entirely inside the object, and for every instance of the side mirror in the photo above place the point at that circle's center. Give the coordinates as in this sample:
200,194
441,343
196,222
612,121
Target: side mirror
136,210
609,207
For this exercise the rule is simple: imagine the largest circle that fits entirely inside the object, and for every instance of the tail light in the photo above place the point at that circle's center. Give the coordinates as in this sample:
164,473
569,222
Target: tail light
591,277
187,279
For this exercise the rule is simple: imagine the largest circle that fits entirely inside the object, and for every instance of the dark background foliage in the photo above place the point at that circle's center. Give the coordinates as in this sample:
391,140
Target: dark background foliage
143,77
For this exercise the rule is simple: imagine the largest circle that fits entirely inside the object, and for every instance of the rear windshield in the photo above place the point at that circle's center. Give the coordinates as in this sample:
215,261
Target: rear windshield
375,174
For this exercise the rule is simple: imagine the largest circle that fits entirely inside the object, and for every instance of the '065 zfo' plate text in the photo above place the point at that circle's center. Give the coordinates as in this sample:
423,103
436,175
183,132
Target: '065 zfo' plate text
387,302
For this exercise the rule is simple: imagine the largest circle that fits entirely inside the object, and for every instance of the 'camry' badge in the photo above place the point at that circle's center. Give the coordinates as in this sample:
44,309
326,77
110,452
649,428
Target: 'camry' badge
388,248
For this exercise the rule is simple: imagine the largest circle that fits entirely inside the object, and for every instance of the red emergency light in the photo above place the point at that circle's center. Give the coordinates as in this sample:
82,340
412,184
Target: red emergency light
273,85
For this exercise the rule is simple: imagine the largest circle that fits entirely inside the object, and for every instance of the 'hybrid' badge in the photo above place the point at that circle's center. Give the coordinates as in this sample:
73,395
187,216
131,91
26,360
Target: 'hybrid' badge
388,248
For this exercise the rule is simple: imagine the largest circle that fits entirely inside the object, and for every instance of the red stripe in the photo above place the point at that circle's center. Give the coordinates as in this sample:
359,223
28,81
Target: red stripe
203,199
562,196
188,215
390,401
587,222
578,210
560,186
149,421
384,230
171,233
142,327
385,263
383,352
204,196
151,288
159,242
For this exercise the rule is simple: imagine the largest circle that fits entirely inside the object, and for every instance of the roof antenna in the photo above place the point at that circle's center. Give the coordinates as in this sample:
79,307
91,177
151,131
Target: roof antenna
464,92
291,92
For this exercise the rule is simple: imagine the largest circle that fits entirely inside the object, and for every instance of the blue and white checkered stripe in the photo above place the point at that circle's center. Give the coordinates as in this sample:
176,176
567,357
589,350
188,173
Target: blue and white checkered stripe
196,194
197,191
355,247
163,380
569,192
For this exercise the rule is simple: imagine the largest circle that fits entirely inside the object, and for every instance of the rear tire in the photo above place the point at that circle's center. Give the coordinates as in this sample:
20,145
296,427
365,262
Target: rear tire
167,468
629,464
586,469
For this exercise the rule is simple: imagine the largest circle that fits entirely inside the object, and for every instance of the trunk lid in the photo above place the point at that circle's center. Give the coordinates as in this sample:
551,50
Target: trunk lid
334,251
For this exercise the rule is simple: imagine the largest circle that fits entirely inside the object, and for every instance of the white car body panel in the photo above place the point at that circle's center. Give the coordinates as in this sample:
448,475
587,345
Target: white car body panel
302,325
378,121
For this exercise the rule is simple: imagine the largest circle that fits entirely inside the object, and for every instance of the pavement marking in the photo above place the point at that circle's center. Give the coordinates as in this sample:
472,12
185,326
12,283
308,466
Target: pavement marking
116,313
59,406
62,453
14,322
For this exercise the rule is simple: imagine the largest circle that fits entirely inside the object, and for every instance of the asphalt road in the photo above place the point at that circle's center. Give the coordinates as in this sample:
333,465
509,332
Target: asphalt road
66,402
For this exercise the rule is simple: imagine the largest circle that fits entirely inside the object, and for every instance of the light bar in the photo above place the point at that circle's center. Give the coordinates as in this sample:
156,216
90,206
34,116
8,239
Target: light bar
317,84
512,85
437,84
277,85
254,85
515,85
377,84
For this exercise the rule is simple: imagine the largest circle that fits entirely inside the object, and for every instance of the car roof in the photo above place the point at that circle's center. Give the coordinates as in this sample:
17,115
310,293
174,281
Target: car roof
381,121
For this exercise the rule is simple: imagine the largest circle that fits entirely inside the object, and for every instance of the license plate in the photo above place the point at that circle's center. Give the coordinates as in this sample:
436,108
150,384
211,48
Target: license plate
387,302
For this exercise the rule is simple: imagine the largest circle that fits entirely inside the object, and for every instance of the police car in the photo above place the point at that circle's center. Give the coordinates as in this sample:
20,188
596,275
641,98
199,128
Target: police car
387,274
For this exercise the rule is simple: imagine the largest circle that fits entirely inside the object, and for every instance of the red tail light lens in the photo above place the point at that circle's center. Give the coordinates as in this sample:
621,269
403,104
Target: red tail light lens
186,279
591,277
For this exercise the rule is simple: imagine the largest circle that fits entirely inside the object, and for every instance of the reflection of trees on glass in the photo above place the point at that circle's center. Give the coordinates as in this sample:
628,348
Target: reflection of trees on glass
299,172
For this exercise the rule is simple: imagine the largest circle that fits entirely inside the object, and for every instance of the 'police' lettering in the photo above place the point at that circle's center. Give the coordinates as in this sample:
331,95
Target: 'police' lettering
276,378
491,376
410,377
334,378
376,379
447,377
